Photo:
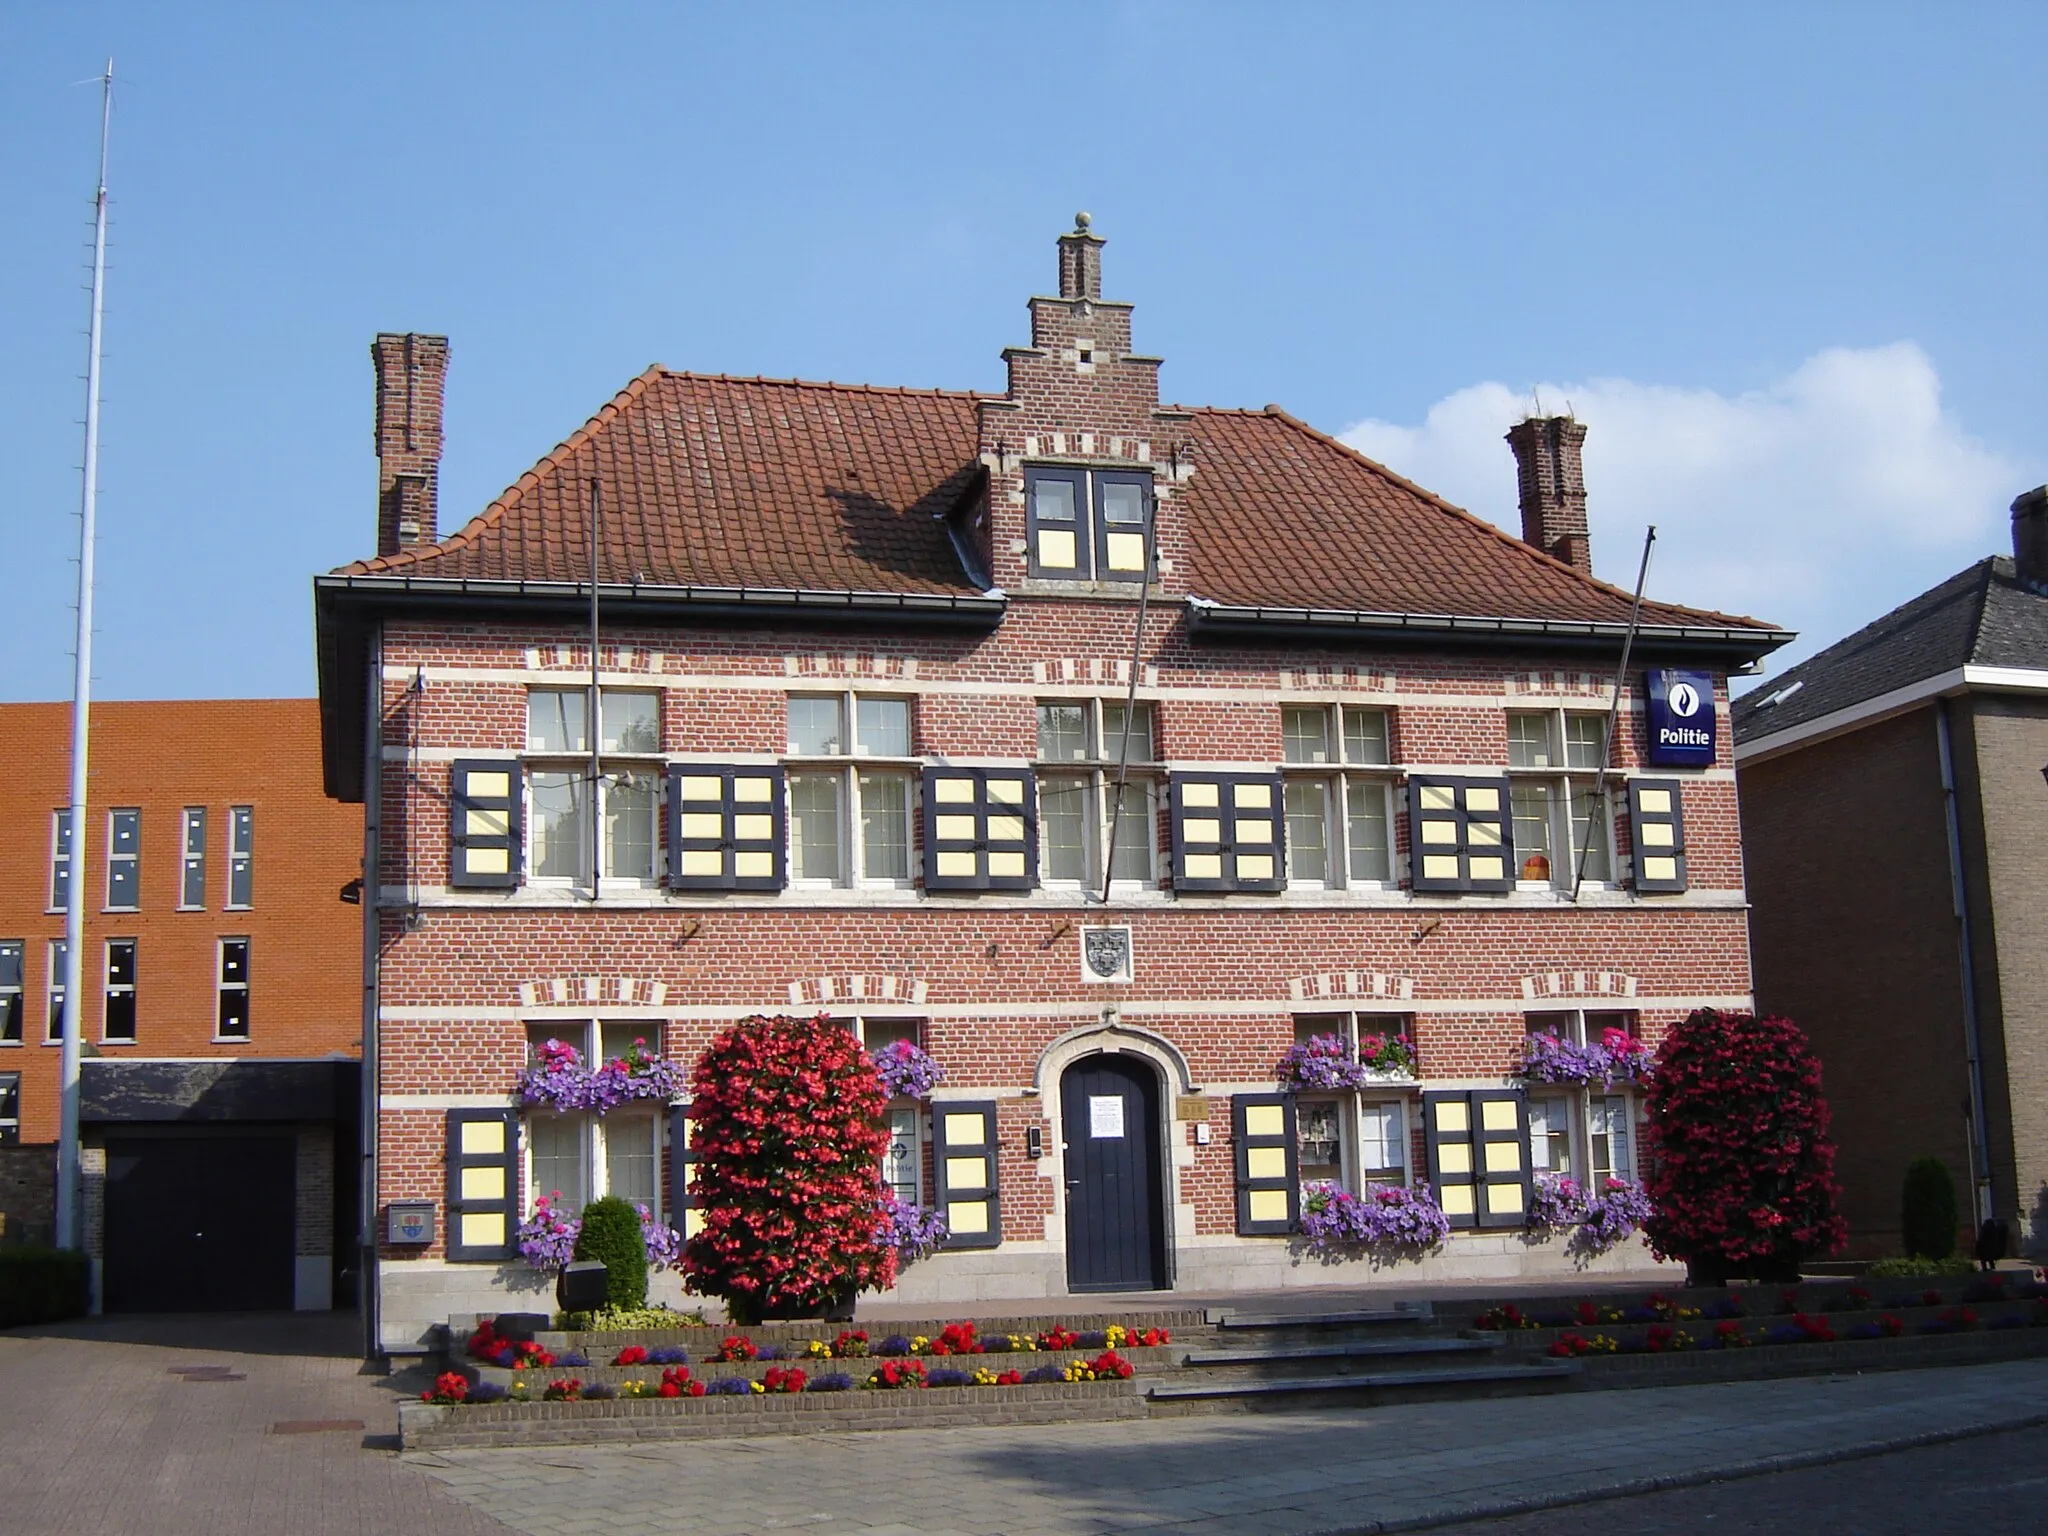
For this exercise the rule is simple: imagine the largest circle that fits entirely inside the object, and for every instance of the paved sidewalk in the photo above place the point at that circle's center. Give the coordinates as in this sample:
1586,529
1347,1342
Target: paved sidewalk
106,1429
1256,1475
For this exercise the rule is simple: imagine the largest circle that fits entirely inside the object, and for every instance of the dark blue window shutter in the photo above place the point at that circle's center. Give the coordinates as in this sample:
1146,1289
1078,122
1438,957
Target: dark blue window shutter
683,1211
1656,818
980,829
964,1154
726,827
1229,832
1461,834
1267,1160
484,803
483,1185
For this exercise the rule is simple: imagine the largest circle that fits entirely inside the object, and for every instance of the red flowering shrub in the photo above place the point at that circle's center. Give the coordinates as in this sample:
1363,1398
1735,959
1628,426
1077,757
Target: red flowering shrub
1742,1171
786,1118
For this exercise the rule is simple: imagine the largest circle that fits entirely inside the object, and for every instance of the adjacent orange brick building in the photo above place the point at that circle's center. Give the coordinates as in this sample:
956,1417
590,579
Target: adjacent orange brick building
221,1022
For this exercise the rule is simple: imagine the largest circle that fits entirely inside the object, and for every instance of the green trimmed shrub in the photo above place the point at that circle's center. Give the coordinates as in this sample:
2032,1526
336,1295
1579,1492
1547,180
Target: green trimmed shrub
1927,1209
42,1285
1899,1269
612,1236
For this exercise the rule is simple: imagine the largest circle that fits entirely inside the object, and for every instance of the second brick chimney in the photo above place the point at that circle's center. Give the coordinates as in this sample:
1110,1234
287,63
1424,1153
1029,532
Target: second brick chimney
412,372
1552,473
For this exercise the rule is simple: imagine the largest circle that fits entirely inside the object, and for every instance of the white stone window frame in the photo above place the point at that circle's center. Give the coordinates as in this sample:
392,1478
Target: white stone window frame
1096,771
1563,777
1339,770
615,766
1581,1026
124,863
1356,1103
596,1133
192,859
241,868
224,988
63,887
847,766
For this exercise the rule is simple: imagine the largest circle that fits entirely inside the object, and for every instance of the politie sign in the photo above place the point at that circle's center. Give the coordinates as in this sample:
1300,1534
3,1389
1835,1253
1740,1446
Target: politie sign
1681,719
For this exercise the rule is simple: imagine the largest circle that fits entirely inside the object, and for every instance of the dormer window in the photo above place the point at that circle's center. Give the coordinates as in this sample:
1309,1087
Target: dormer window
1088,525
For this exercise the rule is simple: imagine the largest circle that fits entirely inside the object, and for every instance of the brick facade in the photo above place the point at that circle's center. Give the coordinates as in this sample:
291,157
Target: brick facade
996,979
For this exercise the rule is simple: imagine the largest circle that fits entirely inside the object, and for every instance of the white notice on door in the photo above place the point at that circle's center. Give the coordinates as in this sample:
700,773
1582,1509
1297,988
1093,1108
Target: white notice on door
1106,1116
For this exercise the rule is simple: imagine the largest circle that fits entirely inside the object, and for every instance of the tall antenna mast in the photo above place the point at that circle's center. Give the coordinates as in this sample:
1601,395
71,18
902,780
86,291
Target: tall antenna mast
69,1233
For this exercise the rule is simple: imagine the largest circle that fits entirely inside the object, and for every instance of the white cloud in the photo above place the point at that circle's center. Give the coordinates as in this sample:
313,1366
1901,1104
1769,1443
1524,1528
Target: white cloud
1818,503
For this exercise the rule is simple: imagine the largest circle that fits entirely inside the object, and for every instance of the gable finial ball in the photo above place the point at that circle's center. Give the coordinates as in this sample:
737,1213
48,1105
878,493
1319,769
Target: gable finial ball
1081,222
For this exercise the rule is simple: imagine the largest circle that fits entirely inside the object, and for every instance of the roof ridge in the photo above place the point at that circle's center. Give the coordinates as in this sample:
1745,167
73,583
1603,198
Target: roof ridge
1507,540
1867,634
556,458
796,383
1987,569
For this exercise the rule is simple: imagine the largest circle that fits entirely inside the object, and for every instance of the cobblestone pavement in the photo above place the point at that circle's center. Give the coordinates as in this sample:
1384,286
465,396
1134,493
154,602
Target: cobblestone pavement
1986,1485
1252,1475
106,1428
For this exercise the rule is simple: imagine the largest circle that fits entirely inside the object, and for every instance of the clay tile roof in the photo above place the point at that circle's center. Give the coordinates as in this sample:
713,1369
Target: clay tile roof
727,482
778,483
1280,515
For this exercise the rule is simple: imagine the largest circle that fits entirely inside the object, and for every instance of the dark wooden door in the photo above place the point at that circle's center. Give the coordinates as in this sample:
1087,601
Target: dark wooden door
200,1223
1116,1237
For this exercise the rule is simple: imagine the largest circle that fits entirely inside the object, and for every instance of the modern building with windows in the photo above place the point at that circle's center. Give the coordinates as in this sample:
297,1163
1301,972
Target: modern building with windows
1104,748
220,1086
1892,809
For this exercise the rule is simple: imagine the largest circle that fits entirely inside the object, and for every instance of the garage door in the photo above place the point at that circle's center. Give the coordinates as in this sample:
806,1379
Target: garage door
200,1223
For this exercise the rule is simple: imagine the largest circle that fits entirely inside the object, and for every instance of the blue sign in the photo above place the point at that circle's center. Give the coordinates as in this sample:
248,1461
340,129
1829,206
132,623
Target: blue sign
1681,719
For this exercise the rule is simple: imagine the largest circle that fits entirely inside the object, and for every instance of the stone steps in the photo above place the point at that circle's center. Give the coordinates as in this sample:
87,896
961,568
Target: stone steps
1363,1388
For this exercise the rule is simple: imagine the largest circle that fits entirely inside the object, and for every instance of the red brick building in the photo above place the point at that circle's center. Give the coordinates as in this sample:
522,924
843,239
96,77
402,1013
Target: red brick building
222,1030
868,657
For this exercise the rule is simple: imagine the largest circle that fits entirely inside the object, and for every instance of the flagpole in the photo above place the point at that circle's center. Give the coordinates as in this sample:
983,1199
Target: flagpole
69,1227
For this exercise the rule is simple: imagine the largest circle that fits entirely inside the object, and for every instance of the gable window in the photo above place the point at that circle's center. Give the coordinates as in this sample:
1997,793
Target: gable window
55,990
10,991
124,859
192,866
1084,525
241,857
1554,764
1080,745
585,1155
231,991
1339,811
850,799
628,791
10,1109
117,1018
60,861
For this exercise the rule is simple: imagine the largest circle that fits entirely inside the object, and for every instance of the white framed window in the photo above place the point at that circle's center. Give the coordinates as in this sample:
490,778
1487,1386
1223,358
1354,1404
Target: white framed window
11,952
54,989
10,1109
582,1155
1357,1139
241,857
124,859
1081,746
1585,1133
1337,761
628,790
192,863
231,992
851,795
1553,770
60,861
117,1016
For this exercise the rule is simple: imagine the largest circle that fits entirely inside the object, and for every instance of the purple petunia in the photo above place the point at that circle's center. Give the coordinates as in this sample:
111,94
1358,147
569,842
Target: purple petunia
912,1230
906,1071
1334,1220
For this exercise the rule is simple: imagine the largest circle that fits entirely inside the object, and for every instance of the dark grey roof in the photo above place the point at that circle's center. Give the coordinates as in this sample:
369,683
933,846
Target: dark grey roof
1983,616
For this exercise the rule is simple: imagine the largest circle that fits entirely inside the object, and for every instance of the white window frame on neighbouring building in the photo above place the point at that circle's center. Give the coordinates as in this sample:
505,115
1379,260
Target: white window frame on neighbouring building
233,964
192,864
60,861
119,1005
124,859
53,991
10,1109
13,960
241,858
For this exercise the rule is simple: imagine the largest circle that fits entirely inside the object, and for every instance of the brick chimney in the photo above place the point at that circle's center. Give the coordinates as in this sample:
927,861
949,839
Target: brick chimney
1081,261
2030,537
412,371
1552,474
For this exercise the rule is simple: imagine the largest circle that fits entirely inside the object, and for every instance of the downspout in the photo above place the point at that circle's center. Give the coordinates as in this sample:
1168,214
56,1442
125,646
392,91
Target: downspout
367,1277
1980,1148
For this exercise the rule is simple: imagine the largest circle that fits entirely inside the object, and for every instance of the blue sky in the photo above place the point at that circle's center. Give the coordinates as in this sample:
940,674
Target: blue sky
1785,261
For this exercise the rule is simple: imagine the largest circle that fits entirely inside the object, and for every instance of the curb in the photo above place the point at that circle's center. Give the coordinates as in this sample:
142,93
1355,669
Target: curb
1791,1461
